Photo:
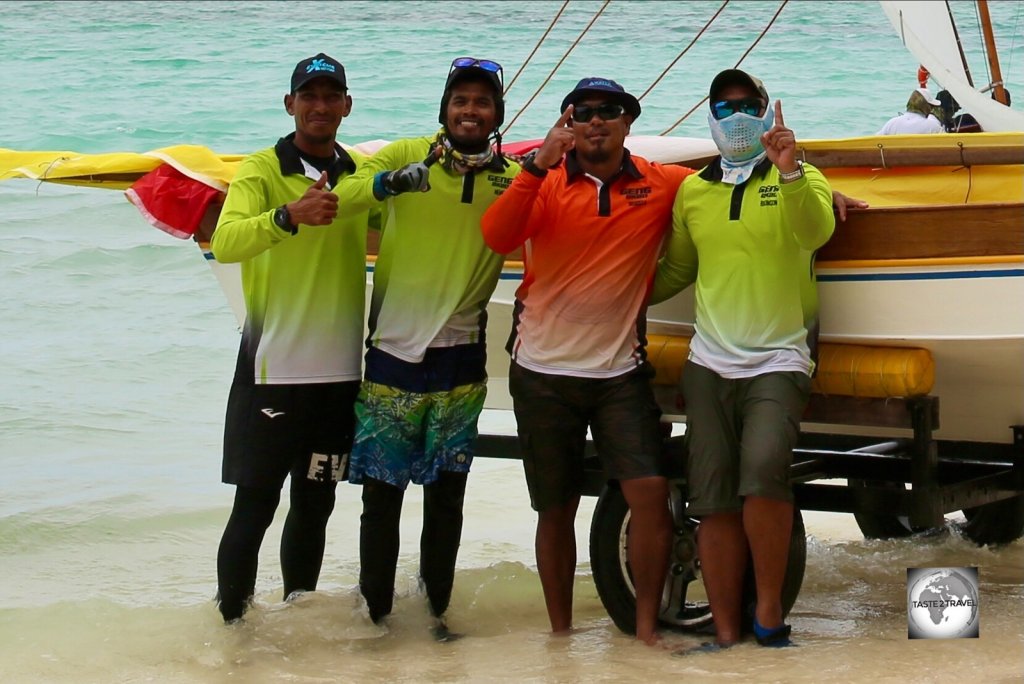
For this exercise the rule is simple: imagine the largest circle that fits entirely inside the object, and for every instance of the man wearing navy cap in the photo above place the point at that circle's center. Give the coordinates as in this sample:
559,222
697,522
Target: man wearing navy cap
303,274
594,224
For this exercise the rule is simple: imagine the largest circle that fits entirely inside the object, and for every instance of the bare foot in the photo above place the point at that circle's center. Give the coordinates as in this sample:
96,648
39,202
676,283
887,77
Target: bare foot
652,639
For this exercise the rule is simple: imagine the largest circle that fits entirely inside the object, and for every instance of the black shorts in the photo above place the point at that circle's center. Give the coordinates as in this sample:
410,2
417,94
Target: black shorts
273,430
553,413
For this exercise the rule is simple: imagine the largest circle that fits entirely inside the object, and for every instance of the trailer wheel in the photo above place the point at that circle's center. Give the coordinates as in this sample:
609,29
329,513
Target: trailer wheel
684,604
1000,522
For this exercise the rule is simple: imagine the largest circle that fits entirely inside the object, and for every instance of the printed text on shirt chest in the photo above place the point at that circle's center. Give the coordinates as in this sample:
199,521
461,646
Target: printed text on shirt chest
636,196
769,195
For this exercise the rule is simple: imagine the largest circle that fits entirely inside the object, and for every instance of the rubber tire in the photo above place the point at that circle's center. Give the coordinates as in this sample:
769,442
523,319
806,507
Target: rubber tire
615,589
1001,522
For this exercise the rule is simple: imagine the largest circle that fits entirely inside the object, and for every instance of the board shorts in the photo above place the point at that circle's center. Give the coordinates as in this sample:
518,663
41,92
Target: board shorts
553,413
271,431
740,435
423,420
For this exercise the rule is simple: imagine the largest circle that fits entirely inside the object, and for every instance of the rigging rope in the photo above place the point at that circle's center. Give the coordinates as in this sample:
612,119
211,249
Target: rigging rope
557,66
685,50
749,49
1013,42
981,39
536,47
959,45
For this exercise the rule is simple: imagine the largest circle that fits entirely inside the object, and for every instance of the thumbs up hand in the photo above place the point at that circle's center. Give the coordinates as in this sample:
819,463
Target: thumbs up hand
316,207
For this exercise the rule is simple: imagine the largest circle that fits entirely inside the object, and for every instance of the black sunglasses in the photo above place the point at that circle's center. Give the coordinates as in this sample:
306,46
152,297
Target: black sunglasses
608,111
754,106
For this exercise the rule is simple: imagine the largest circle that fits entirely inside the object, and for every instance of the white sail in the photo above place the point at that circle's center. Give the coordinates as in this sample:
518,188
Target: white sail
927,32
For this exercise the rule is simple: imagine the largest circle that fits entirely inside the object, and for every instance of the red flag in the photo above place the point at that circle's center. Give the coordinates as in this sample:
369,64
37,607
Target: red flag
171,201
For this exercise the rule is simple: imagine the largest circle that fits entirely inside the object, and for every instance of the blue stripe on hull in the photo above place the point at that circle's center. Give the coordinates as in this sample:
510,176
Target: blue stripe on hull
947,275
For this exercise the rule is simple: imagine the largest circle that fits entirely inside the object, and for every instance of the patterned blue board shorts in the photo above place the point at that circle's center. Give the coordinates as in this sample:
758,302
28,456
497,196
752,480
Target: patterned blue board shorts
411,436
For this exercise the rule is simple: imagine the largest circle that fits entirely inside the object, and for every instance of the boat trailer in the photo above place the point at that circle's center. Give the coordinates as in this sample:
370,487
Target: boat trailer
894,486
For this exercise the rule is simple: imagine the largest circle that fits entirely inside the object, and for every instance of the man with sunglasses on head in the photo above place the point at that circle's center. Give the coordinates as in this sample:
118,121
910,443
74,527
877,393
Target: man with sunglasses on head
425,377
593,226
745,230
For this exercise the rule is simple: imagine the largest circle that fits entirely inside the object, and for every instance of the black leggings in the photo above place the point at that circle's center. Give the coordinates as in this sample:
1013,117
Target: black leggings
439,541
302,541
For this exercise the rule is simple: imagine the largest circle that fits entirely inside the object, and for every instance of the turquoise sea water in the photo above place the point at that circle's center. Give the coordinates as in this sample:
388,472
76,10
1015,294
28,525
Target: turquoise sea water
118,346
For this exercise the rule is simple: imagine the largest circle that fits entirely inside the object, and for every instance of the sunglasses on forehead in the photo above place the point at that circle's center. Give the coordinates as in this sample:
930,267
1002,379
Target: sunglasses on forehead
748,105
467,62
607,111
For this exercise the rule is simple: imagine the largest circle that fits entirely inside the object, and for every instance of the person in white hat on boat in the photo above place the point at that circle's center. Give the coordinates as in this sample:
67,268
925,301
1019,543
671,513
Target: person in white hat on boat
917,118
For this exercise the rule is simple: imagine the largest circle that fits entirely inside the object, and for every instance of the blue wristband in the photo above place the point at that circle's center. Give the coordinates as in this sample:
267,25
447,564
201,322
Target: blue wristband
379,189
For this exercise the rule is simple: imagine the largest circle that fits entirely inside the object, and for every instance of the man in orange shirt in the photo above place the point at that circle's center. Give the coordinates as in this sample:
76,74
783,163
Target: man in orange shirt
593,227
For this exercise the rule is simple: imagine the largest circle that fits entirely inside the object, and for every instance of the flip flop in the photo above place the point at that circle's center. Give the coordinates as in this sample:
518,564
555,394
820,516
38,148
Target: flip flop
776,637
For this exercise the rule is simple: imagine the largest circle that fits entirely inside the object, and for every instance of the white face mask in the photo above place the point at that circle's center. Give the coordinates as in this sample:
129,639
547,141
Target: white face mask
738,138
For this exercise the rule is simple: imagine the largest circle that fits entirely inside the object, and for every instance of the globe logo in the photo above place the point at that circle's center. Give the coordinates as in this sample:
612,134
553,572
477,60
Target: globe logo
942,603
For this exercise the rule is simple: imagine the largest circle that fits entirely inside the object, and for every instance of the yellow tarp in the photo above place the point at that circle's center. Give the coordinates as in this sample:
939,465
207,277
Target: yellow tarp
118,170
935,141
926,185
915,186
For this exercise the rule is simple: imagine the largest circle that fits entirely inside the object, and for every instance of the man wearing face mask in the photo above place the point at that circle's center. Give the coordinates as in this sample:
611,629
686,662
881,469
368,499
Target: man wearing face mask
745,230
425,378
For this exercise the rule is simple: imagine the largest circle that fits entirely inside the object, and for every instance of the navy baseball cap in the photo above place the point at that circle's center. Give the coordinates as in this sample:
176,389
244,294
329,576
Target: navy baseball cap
593,85
318,66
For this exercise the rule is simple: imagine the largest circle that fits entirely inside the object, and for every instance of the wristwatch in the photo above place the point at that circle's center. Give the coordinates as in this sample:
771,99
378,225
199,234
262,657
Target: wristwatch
283,220
530,165
791,176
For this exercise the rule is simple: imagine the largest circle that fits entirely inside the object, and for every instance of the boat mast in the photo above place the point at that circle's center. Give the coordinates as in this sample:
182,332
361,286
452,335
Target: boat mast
999,92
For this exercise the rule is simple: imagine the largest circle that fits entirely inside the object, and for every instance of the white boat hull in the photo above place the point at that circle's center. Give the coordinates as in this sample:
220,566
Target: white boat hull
969,317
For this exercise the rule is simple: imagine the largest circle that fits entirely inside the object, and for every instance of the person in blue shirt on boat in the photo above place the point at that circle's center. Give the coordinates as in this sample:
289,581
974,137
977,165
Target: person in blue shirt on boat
744,231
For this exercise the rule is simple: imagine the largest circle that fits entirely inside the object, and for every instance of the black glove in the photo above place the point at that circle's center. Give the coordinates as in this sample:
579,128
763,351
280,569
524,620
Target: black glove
410,177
